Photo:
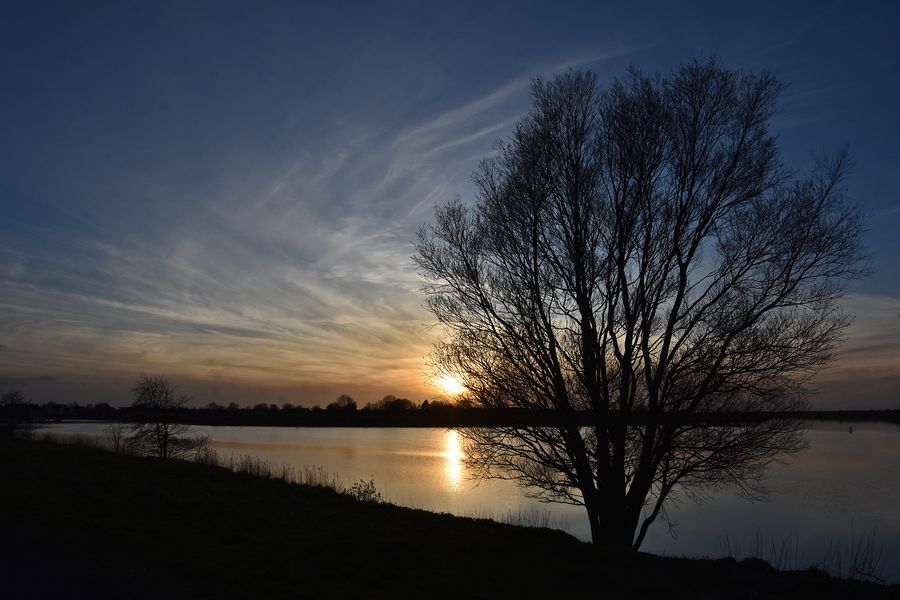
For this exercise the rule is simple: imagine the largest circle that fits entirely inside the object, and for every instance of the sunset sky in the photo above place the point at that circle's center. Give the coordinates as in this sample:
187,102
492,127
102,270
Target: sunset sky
226,192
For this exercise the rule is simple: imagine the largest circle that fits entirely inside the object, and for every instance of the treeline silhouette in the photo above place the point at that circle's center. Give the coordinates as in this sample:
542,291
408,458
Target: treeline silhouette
390,411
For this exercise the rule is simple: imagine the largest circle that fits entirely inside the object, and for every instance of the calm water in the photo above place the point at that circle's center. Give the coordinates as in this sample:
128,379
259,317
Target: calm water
843,485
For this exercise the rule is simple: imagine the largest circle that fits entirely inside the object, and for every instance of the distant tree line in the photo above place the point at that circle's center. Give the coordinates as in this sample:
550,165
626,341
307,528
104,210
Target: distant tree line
390,411
150,391
343,403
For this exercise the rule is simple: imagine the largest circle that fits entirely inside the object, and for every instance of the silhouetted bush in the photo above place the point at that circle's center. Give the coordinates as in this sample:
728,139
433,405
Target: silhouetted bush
365,491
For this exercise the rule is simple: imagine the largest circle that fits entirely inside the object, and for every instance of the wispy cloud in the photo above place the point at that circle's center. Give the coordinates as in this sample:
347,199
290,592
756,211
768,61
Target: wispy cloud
257,245
866,368
294,279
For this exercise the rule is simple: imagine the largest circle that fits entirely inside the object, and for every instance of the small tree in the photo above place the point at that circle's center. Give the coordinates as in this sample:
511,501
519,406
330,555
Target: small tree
640,256
15,411
156,430
344,402
117,437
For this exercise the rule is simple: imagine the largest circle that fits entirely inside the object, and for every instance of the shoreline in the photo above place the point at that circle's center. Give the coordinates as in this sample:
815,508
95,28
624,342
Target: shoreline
221,531
453,418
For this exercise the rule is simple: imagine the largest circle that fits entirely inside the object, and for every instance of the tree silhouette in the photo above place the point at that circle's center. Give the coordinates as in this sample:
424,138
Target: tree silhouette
641,255
344,402
157,431
15,411
391,403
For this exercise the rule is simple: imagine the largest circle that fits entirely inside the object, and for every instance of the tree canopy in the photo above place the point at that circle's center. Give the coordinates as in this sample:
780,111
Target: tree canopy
641,253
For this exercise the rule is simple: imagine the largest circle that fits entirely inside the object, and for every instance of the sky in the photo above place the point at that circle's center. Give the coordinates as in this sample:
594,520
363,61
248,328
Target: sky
226,192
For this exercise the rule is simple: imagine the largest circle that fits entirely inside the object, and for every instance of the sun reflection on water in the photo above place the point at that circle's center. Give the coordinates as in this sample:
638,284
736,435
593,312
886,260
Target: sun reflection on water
453,467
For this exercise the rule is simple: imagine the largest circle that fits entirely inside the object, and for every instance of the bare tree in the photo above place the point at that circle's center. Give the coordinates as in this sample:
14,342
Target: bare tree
16,411
156,430
117,437
640,264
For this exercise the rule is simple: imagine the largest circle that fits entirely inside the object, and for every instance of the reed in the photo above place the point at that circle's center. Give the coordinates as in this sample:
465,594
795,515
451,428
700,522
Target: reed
860,557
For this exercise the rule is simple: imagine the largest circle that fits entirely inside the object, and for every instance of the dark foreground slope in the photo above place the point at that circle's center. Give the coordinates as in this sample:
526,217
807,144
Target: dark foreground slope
78,522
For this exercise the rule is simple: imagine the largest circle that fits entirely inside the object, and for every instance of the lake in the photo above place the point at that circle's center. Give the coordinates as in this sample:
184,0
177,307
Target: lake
838,494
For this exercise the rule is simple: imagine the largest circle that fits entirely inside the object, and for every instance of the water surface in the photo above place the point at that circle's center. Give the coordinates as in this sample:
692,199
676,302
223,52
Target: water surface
838,492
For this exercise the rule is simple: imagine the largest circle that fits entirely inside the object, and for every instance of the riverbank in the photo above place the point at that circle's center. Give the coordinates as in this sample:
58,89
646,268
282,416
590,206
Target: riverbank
81,522
429,417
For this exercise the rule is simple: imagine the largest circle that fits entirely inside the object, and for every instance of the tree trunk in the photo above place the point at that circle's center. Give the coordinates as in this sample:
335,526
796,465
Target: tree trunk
611,525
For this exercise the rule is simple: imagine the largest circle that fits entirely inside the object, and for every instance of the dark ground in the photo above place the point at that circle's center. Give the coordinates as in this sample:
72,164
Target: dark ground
83,523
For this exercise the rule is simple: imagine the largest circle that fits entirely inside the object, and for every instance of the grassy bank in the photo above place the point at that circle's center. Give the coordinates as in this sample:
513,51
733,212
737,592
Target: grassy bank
80,522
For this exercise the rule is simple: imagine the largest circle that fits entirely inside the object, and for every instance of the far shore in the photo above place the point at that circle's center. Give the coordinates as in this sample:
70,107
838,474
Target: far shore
443,417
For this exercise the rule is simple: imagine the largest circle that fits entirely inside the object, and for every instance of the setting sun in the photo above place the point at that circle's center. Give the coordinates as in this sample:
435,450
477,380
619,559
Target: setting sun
450,385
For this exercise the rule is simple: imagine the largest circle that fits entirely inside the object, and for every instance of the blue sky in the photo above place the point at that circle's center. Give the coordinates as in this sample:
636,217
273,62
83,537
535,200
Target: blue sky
226,191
